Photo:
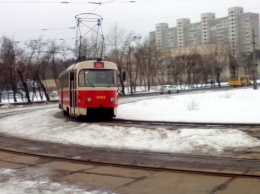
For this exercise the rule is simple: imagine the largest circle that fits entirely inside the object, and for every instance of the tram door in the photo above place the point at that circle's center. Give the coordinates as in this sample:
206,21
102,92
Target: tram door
73,92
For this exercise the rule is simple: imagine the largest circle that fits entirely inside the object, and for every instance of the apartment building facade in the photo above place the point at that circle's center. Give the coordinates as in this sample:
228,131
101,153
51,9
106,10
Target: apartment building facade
235,31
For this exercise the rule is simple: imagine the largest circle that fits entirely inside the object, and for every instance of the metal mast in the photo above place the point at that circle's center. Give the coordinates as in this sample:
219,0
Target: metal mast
89,28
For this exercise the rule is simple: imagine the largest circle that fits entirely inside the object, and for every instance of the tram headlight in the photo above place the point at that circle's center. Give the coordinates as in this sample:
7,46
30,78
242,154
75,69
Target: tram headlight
112,99
89,99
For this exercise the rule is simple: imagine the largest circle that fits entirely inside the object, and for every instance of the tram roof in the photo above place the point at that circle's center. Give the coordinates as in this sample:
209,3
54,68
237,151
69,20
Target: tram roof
84,64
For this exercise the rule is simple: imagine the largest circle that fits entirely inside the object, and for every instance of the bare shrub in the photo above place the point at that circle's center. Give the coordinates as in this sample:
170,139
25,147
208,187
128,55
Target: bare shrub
193,104
227,95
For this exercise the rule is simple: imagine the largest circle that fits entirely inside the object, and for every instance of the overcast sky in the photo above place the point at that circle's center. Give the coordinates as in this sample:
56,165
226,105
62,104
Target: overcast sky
24,19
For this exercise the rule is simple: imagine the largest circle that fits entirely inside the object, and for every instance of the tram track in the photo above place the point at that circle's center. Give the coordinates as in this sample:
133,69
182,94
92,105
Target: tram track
134,157
18,110
186,124
144,160
154,168
251,129
233,168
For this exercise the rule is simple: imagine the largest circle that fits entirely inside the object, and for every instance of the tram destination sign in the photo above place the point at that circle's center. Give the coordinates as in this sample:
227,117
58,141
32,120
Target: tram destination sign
98,64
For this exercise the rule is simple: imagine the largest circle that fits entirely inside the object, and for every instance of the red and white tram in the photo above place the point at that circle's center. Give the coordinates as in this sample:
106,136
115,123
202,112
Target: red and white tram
88,88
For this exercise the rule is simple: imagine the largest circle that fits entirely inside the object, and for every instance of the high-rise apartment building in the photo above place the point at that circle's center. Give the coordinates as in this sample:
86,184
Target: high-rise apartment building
236,30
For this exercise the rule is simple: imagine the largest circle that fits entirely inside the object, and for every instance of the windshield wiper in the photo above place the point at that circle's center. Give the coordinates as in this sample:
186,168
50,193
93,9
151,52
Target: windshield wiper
111,83
91,83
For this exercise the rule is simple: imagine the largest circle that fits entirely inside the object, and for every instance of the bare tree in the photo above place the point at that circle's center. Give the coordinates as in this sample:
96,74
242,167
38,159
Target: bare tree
8,55
221,62
206,69
217,57
233,64
116,39
131,66
66,53
165,70
51,53
148,59
178,69
23,70
3,77
37,61
196,68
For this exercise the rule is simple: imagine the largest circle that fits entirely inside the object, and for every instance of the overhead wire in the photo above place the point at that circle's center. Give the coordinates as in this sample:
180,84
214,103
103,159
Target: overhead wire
102,3
91,2
156,18
56,2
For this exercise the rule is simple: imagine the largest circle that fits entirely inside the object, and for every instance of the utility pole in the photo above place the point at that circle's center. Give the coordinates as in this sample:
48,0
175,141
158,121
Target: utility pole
129,60
213,68
254,63
130,69
169,78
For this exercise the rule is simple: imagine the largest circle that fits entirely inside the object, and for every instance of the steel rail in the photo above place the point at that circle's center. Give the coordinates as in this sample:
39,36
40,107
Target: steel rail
195,124
153,161
137,159
208,172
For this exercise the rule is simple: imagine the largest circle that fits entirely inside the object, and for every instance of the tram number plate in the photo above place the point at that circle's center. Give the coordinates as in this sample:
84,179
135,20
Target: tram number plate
101,97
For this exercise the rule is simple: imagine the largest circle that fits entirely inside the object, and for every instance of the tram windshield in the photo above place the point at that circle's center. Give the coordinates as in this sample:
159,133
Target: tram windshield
97,78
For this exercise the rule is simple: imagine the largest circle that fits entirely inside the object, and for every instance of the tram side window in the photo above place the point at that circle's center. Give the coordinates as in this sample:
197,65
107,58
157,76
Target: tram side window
82,78
59,83
64,81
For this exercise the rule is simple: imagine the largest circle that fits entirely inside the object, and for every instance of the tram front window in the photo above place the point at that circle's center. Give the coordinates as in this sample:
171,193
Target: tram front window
97,78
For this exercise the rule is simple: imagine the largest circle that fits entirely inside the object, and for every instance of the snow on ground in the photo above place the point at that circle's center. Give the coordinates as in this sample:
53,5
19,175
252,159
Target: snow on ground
37,181
235,106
